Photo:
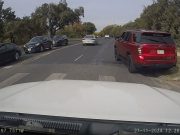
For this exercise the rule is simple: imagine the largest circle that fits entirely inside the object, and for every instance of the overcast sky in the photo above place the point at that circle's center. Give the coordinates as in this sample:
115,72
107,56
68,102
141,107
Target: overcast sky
100,12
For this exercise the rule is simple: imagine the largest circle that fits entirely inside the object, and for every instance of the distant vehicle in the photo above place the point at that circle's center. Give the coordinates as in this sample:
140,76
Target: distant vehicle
9,51
146,49
38,44
107,36
89,39
60,40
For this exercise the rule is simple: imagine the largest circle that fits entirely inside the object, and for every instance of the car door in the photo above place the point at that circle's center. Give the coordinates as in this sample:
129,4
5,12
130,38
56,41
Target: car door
45,42
123,44
127,44
3,53
10,50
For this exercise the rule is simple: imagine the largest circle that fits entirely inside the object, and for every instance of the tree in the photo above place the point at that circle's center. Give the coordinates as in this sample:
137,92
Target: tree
89,28
6,15
53,17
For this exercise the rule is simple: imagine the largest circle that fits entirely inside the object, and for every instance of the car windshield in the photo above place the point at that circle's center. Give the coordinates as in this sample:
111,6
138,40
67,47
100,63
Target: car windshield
89,36
36,39
156,38
57,37
115,61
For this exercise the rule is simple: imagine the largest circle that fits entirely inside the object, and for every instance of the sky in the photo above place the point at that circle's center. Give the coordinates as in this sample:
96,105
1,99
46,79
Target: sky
100,12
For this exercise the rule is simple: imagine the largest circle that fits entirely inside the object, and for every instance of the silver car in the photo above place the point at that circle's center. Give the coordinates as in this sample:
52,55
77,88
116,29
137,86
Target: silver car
89,39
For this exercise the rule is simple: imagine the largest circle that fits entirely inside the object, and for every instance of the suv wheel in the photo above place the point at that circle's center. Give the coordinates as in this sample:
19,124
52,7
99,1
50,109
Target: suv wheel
131,67
117,57
16,56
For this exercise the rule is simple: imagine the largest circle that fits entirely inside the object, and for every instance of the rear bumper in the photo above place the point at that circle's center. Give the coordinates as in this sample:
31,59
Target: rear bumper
164,62
89,42
155,65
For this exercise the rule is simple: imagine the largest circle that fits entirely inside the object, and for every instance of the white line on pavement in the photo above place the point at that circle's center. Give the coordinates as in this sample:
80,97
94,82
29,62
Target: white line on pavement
11,80
45,54
56,76
78,57
107,78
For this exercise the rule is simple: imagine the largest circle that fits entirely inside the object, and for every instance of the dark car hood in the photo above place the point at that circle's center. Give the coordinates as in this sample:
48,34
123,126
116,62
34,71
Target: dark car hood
31,44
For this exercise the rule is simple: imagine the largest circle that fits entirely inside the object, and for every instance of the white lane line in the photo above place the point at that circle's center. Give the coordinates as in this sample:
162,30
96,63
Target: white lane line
56,76
11,80
7,67
107,78
78,57
42,55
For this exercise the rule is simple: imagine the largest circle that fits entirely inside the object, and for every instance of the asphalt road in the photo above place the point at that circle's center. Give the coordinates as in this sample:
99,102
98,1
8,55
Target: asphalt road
77,62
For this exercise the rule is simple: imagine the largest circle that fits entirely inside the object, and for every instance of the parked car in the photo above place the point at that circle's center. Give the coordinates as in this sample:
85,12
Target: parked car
38,44
60,40
89,40
144,48
9,51
107,36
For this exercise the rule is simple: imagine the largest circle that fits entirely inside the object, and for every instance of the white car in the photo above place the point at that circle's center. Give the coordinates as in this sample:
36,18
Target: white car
89,39
107,36
96,108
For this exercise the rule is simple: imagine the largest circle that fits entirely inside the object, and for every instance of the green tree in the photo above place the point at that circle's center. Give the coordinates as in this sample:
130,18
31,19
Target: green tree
53,17
6,15
89,27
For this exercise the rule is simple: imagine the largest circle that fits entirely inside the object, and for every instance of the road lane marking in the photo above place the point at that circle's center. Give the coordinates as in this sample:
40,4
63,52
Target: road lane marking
56,76
11,80
7,67
107,78
78,57
42,55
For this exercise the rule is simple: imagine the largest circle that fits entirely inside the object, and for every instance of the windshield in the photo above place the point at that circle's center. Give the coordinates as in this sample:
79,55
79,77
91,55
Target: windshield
36,39
89,36
156,38
115,60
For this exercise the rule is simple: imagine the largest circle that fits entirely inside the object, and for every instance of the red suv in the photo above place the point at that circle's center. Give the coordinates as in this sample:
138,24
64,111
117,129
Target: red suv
144,48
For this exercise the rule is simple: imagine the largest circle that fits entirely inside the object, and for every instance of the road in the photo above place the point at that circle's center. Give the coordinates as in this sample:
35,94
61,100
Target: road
77,62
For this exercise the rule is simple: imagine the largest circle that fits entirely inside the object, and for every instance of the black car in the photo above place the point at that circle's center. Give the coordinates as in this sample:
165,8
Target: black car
38,44
60,40
9,51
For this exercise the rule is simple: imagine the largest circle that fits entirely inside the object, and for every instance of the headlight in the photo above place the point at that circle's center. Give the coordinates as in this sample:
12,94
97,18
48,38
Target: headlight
37,44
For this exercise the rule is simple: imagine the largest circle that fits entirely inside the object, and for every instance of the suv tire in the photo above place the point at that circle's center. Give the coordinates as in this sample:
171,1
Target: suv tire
131,67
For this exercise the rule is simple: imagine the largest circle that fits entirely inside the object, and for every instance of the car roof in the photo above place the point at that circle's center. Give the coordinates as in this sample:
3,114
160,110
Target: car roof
147,31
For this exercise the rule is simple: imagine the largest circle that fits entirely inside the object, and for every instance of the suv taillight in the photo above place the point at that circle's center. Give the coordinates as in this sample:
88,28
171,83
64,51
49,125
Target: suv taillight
139,50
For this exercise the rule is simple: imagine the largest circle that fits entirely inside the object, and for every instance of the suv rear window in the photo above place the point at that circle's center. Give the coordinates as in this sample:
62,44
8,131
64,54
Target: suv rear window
156,38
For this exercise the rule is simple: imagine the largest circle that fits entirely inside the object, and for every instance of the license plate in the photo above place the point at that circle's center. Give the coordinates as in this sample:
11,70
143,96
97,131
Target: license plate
160,51
29,49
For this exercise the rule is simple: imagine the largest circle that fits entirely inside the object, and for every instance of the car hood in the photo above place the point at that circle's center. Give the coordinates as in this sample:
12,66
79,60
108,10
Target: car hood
31,44
93,100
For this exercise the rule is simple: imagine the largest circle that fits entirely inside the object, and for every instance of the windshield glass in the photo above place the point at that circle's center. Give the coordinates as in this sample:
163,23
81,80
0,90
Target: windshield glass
89,36
156,38
36,39
93,59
